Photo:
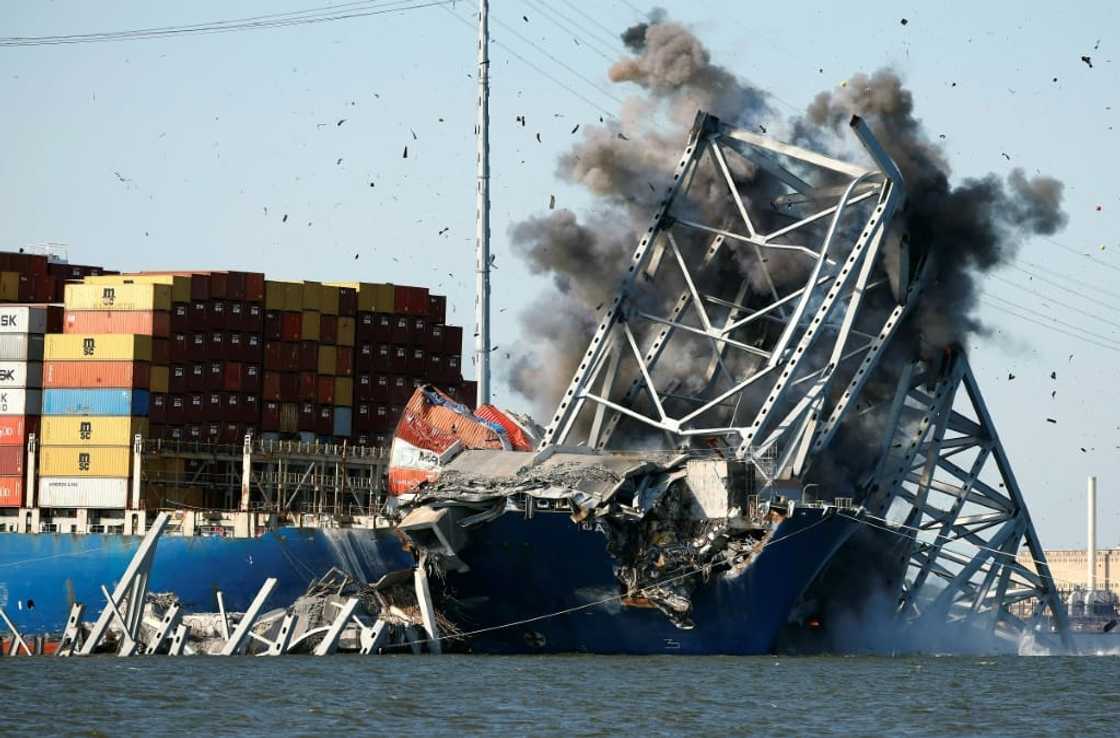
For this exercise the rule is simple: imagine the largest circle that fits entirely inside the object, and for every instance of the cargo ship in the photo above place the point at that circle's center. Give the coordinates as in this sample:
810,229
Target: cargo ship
256,411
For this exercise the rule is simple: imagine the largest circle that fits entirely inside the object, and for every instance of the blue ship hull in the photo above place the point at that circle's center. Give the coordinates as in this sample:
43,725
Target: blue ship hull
41,574
522,569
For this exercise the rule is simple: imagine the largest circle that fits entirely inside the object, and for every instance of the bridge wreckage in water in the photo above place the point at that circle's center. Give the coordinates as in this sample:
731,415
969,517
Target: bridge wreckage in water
694,490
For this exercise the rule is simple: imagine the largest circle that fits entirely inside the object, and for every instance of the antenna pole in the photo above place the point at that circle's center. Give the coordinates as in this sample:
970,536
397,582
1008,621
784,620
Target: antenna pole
482,210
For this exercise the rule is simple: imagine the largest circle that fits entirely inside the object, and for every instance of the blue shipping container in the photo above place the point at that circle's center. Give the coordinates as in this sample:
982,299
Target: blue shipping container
95,402
342,418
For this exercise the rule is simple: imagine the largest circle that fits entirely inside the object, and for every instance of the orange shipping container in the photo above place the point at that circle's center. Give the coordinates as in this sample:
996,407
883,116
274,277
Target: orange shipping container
139,322
96,374
14,429
11,491
11,460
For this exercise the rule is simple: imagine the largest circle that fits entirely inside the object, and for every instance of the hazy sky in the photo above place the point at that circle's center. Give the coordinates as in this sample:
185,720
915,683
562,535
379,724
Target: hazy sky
189,151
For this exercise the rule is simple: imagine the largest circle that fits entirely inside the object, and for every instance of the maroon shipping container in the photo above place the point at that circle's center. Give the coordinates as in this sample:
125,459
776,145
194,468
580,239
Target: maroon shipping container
157,409
308,386
200,345
344,361
410,300
363,387
196,378
382,327
270,387
254,287
217,347
231,377
180,317
251,378
250,409
235,321
363,357
178,378
291,326
308,356
400,389
218,285
270,416
453,340
437,308
196,407
281,356
381,388
433,342
308,415
180,347
363,417
363,326
231,432
347,302
325,393
437,368
289,387
251,348
200,315
453,374
214,406
419,331
218,316
401,333
398,360
200,286
253,315
215,376
273,326
324,421
232,406
234,349
417,362
328,329
177,409
235,285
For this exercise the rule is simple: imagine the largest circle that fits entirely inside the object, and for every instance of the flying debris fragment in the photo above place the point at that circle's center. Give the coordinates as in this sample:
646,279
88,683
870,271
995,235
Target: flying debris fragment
340,122
405,154
1088,60
1010,376
1051,420
284,219
623,136
1053,375
576,128
904,21
539,137
414,137
552,202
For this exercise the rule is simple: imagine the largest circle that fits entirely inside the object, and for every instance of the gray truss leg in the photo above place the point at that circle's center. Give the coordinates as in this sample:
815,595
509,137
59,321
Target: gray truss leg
18,642
166,626
224,616
374,637
236,643
179,640
427,611
413,637
283,636
330,641
73,630
135,578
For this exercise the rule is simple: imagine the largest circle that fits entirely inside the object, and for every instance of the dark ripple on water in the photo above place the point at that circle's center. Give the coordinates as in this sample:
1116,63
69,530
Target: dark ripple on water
560,696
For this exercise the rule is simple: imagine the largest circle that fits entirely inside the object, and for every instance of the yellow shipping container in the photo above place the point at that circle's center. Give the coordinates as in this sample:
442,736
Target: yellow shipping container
180,284
85,461
311,298
122,296
159,378
310,327
97,347
9,286
346,328
343,391
94,430
372,298
328,360
328,299
293,296
275,293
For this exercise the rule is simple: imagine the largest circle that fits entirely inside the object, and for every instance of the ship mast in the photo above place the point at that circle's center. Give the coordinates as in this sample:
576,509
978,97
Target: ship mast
482,211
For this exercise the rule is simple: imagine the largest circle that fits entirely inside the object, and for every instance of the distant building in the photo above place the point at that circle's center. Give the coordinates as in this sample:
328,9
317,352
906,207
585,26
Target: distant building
1069,567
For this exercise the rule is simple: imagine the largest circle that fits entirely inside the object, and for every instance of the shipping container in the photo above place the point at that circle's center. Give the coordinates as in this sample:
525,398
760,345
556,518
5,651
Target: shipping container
289,417
324,421
309,328
118,297
343,421
21,402
410,300
21,375
325,391
273,328
328,328
328,299
291,325
160,379
161,351
270,416
84,492
311,296
98,347
9,286
308,387
402,330
97,374
21,346
453,340
143,322
217,318
434,340
347,302
254,287
91,430
14,429
345,361
343,391
27,319
85,461
346,331
95,402
328,360
180,285
11,491
293,296
11,460
308,356
437,308
157,412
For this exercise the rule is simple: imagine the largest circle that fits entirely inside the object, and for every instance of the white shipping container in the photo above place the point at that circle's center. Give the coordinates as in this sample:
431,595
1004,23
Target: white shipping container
21,401
20,374
21,346
97,492
23,319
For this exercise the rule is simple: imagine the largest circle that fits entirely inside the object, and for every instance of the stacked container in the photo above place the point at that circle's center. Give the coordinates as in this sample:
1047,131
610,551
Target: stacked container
22,329
98,380
33,278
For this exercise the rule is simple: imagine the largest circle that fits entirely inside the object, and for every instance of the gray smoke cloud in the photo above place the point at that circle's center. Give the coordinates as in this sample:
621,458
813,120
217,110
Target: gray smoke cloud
966,229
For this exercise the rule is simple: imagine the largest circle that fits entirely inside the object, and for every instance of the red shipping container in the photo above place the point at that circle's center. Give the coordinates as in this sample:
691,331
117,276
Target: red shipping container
363,387
452,369
231,433
382,357
218,285
308,386
437,308
251,348
250,409
193,432
364,326
308,356
325,393
200,285
232,407
324,421
215,406
308,416
232,376
235,320
417,362
410,300
270,416
382,327
328,329
177,409
96,374
157,410
254,287
434,340
14,429
381,384
215,376
251,378
363,417
235,285
291,326
270,387
180,347
180,317
178,380
196,379
11,460
196,407
218,317
398,360
161,351
344,361
400,389
139,322
347,302
200,345
45,288
437,368
401,333
234,349
363,358
200,315
289,387
26,290
11,491
253,317
273,325
453,340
